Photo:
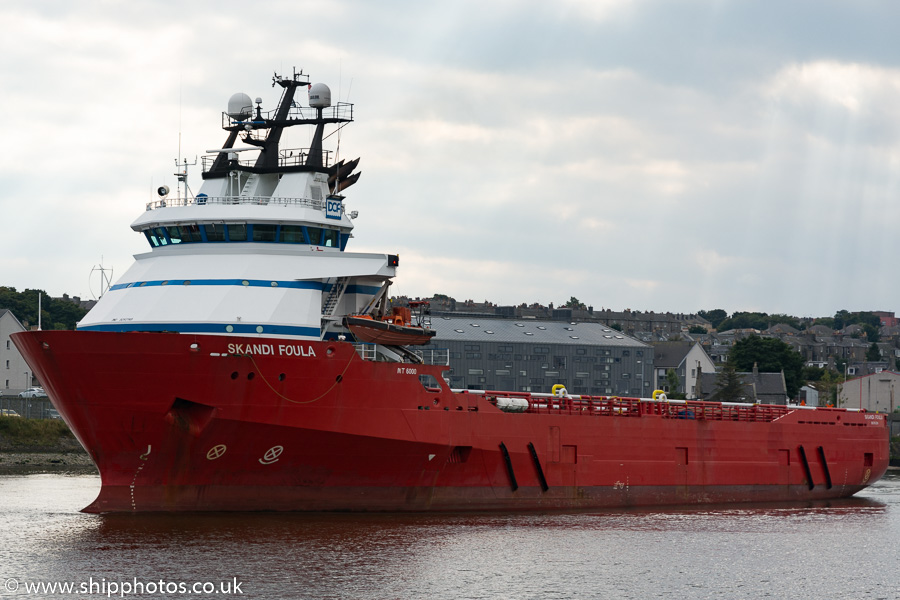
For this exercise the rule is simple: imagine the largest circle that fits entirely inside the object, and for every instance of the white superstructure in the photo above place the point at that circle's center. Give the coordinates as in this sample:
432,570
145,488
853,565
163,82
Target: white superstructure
261,248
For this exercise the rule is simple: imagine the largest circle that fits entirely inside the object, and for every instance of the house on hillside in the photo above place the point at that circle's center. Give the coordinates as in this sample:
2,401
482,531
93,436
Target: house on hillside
762,388
15,374
687,359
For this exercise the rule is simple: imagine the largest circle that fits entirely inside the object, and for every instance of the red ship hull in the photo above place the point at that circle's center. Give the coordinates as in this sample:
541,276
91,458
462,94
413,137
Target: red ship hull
180,422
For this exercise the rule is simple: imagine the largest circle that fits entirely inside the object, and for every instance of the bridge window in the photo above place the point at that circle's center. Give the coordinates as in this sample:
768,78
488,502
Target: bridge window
264,233
292,234
175,234
331,238
151,237
242,232
237,232
214,232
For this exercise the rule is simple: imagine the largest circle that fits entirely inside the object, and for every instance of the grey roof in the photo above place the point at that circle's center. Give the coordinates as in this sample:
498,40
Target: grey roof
768,388
783,328
529,331
822,330
670,354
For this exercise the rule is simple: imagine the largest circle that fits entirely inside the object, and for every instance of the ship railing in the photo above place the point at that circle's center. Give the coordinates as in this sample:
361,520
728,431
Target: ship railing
583,405
289,157
236,200
338,112
438,356
715,411
615,406
434,356
367,351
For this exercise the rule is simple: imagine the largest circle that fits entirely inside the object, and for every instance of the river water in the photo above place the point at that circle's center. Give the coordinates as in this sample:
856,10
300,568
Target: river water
848,549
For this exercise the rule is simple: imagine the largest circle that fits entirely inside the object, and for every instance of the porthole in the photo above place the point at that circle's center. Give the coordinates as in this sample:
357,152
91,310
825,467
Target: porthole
245,283
281,377
250,375
234,375
229,328
274,284
259,329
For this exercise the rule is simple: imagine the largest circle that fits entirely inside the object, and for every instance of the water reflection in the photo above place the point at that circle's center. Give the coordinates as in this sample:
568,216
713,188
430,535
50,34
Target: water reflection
730,551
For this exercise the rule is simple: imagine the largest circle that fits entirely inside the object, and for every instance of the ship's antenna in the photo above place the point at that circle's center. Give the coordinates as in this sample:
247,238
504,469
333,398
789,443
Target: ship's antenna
337,152
105,281
182,175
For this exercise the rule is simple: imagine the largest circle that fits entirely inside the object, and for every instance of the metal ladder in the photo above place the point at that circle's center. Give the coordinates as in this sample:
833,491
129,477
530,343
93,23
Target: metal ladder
248,185
334,296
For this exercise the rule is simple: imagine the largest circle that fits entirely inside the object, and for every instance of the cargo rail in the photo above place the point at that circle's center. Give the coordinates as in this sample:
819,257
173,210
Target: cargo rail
616,406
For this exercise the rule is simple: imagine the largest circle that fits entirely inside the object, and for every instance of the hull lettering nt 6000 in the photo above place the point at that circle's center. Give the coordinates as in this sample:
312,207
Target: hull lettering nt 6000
249,361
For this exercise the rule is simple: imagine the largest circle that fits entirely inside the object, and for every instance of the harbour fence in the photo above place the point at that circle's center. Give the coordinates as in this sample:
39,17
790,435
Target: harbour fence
29,408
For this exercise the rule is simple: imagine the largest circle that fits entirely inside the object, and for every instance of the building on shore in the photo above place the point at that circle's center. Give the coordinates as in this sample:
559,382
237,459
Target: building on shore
15,374
528,355
687,359
875,393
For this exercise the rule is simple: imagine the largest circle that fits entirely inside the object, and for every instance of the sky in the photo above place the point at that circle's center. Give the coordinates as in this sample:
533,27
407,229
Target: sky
653,155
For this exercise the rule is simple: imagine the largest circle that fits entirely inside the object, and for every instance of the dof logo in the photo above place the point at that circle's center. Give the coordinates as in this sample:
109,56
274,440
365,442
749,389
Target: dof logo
332,208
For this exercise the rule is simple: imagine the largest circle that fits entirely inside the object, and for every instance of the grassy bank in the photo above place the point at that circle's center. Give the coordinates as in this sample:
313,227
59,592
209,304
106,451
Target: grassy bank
29,446
36,435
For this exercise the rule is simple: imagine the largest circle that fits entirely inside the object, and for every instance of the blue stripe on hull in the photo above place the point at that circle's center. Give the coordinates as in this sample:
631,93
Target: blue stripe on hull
241,328
303,285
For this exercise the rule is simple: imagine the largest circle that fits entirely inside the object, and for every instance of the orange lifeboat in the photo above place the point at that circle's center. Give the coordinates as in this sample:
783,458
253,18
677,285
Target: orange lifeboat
394,329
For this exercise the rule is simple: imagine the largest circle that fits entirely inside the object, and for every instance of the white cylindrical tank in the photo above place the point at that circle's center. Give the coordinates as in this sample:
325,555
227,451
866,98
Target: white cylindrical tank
319,95
240,107
512,404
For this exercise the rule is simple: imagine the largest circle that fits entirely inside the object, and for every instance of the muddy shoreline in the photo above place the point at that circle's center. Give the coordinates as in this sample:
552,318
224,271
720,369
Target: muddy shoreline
31,463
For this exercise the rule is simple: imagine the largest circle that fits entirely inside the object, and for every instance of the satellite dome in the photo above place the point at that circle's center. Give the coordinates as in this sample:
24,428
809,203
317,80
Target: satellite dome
319,95
240,107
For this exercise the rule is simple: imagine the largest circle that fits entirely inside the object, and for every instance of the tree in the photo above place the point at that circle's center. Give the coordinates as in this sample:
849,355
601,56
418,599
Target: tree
55,313
831,382
729,386
873,354
673,382
714,316
752,320
616,326
771,355
871,332
697,329
574,303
